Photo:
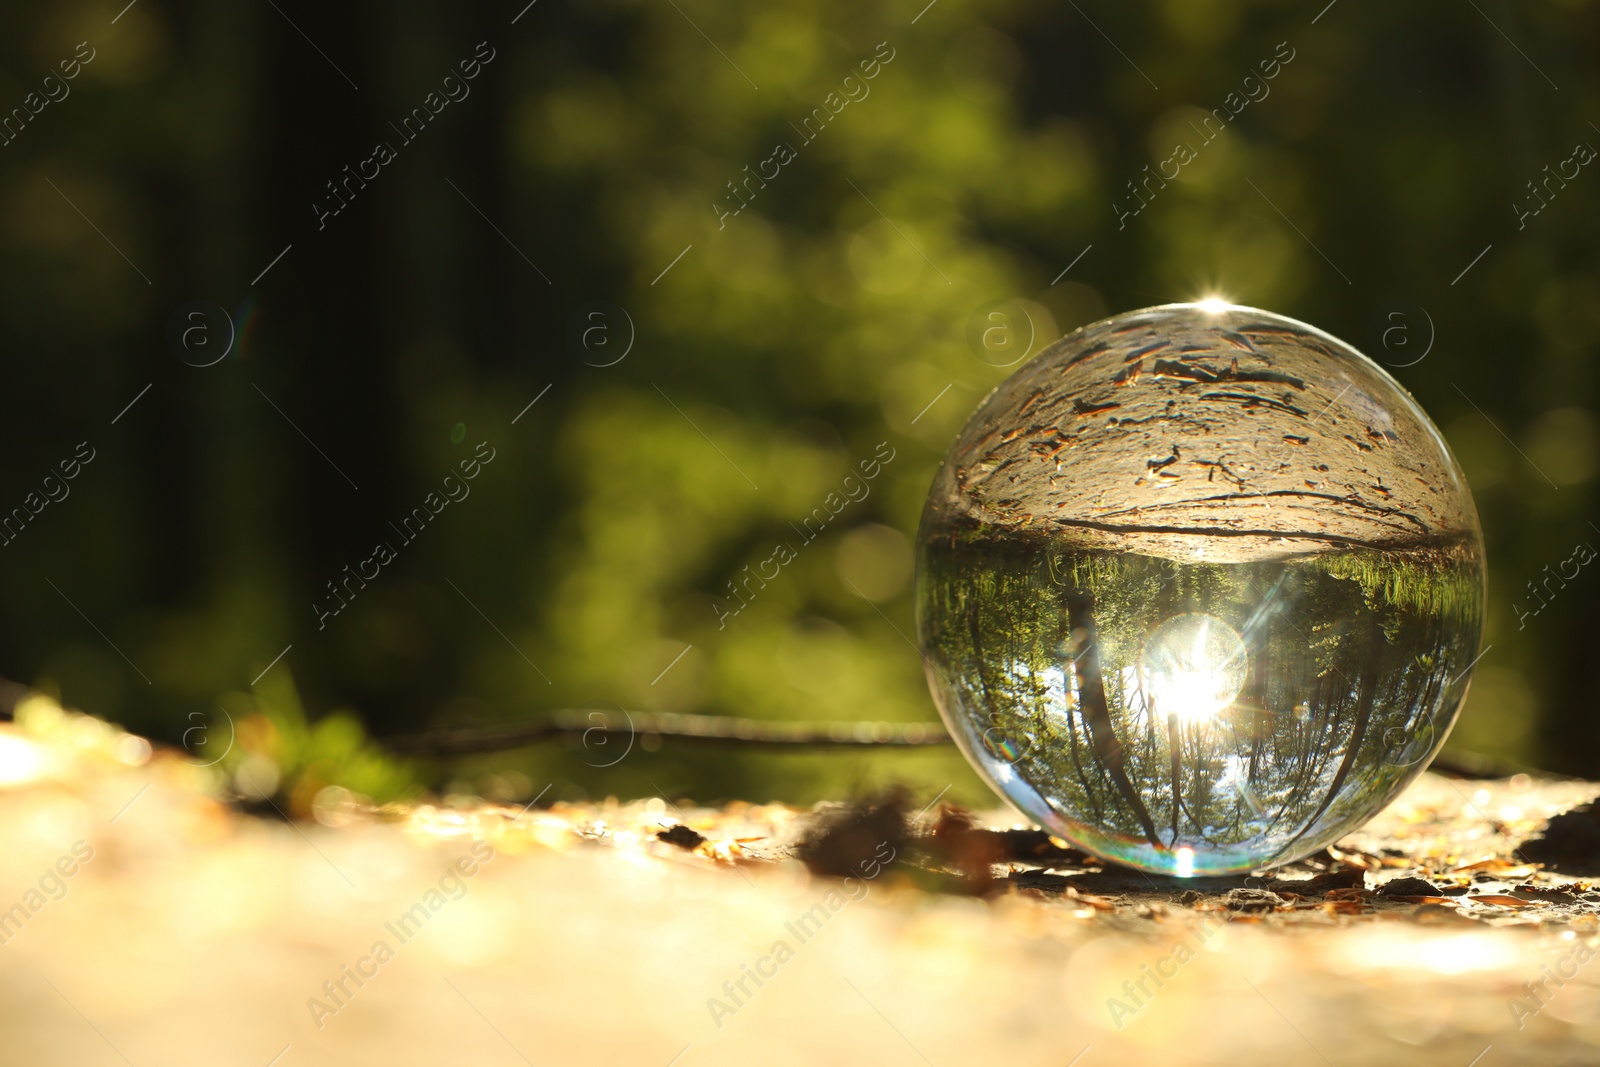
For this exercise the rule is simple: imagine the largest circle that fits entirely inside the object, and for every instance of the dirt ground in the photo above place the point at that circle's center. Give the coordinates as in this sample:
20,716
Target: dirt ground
145,922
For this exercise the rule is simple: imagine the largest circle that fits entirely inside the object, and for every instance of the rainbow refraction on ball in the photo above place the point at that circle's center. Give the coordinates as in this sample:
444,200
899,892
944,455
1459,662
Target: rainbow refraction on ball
1199,588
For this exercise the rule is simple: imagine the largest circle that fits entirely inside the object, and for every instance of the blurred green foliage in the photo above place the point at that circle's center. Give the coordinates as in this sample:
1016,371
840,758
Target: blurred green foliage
780,348
265,746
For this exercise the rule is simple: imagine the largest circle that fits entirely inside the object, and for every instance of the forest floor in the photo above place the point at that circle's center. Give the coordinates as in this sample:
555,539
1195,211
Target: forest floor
145,921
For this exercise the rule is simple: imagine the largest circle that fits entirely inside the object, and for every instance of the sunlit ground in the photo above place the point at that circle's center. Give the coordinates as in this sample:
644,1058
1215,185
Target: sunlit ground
186,933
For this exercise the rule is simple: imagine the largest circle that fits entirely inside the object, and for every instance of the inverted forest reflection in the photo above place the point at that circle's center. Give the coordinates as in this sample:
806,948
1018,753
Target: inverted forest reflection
1354,663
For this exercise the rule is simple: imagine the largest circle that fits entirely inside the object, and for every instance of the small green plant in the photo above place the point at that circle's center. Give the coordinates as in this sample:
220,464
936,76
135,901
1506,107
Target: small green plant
278,755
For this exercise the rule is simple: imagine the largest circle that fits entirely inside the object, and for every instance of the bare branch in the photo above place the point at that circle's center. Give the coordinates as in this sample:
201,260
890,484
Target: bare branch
591,726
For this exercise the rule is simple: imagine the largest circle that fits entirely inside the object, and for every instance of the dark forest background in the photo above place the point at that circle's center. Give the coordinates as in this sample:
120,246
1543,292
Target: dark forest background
1374,191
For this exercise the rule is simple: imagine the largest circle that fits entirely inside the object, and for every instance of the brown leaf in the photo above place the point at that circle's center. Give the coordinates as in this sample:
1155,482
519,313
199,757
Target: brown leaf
1351,894
1098,903
1421,900
1497,865
1345,907
1551,893
1364,860
1340,878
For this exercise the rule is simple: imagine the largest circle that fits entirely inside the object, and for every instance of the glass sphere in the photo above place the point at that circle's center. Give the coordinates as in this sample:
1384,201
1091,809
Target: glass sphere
1199,588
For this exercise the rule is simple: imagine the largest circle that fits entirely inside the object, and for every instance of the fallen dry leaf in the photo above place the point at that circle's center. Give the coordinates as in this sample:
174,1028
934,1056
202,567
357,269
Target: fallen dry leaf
1096,902
1496,865
1349,894
1420,900
1364,860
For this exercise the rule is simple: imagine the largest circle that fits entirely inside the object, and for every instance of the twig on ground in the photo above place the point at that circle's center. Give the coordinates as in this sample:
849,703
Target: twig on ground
593,726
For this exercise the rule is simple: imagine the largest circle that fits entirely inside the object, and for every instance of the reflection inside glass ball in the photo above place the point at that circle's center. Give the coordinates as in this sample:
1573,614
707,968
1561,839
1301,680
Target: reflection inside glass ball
1199,589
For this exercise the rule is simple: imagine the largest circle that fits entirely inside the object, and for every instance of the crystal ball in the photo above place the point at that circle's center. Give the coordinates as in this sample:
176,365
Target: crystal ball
1199,589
